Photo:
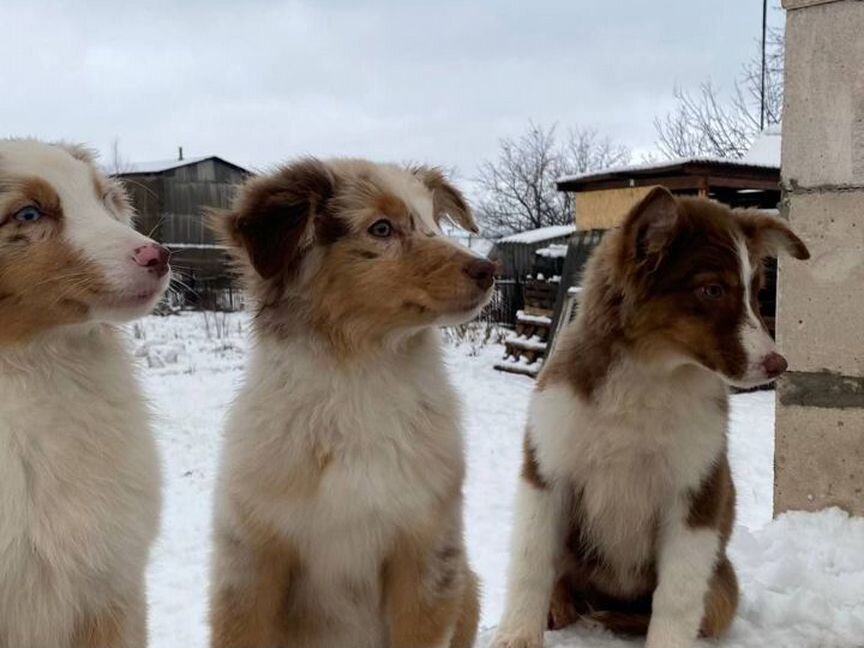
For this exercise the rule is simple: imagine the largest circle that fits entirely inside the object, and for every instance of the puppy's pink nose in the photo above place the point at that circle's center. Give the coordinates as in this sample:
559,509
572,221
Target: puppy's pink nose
482,272
774,364
154,257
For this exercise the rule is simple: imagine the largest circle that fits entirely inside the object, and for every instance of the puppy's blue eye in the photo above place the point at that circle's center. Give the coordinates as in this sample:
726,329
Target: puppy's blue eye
28,215
381,228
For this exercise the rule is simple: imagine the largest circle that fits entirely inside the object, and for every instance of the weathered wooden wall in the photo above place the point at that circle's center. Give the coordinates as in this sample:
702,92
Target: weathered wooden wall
171,204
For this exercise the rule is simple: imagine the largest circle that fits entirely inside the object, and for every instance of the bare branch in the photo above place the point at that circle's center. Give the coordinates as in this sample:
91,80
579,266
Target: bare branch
706,124
519,188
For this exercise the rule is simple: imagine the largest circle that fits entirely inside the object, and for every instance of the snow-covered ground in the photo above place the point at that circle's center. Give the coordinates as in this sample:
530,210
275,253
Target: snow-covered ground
802,576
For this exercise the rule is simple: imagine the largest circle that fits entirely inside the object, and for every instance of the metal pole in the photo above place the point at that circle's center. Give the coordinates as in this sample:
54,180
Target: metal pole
764,31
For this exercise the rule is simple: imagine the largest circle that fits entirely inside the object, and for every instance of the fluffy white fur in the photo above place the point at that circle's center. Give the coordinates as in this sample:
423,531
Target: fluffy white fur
754,338
536,543
79,487
641,443
390,459
686,562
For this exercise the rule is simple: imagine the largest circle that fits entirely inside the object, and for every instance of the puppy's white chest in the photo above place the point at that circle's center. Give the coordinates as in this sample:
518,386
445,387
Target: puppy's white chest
79,488
625,467
354,459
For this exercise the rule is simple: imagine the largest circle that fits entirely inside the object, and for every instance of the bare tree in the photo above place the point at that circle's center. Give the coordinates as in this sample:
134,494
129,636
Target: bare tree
518,189
748,91
118,164
705,123
586,151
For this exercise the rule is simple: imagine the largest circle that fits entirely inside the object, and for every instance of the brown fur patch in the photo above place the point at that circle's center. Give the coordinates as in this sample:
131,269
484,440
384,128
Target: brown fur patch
768,235
118,626
469,617
447,199
270,220
530,467
389,205
105,631
18,193
46,285
713,505
411,290
253,609
721,601
430,590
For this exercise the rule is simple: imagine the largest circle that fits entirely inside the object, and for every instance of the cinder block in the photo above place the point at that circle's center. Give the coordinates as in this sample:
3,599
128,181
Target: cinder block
820,310
819,459
823,119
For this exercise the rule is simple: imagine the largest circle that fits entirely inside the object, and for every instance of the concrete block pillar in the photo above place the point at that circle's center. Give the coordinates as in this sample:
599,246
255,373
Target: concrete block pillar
820,327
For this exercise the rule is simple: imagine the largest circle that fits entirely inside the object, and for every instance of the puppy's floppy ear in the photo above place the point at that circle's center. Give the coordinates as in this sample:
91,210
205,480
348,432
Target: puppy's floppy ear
447,200
650,227
273,218
768,235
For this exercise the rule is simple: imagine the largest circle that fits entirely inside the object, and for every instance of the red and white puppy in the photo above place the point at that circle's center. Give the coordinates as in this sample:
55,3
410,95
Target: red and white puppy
339,508
79,476
626,501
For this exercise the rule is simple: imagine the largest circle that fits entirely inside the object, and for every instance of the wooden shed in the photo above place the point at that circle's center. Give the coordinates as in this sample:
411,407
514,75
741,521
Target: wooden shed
516,253
170,197
603,199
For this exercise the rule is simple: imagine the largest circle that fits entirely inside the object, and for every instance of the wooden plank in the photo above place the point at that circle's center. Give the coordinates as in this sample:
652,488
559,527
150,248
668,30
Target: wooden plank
681,182
744,183
517,369
606,208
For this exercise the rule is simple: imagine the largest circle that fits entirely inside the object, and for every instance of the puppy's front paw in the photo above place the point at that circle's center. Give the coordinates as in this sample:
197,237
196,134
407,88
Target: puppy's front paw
516,640
665,632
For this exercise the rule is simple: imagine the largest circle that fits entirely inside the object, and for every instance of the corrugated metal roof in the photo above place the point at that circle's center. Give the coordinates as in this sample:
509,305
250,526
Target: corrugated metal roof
160,166
764,153
538,235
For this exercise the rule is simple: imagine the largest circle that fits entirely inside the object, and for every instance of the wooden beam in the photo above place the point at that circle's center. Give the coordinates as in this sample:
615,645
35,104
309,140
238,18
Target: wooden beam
670,182
744,183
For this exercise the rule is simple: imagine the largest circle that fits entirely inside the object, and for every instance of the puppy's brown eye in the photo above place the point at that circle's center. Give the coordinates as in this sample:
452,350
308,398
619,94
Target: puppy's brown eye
712,291
381,228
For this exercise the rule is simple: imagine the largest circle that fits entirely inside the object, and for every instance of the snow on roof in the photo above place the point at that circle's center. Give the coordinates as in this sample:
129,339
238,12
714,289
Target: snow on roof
765,150
159,166
554,251
674,162
538,235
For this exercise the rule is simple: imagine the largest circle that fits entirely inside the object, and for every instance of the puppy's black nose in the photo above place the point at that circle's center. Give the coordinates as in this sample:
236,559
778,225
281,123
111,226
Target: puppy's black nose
774,364
482,272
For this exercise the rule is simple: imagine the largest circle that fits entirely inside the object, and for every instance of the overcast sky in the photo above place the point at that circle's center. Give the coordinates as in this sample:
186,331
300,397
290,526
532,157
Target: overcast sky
260,81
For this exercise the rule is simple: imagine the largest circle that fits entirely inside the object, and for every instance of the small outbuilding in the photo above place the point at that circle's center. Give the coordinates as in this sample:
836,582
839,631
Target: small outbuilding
170,197
515,253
